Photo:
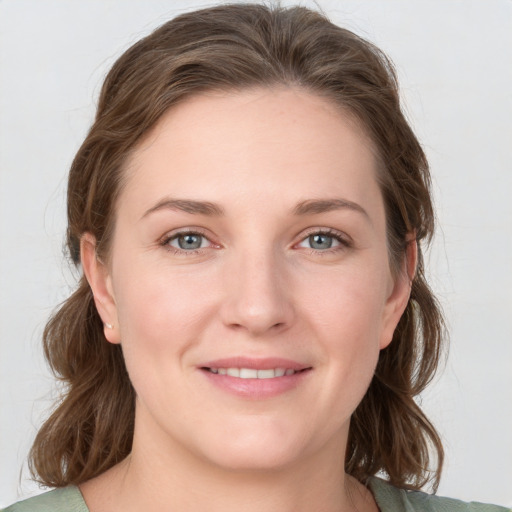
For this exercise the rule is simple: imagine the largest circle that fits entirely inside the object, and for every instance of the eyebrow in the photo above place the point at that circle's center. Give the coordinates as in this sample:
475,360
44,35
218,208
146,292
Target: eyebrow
313,206
306,207
187,206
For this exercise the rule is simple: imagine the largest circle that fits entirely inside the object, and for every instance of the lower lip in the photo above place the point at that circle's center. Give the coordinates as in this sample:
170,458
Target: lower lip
256,389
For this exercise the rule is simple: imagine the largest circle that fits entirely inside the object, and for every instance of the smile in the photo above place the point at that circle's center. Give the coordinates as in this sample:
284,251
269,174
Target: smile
255,378
252,373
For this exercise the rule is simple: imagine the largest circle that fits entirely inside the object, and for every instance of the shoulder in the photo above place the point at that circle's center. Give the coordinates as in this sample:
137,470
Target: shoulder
392,499
67,499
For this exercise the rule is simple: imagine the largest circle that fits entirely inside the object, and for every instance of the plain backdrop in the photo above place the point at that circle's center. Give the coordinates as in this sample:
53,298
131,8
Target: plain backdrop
454,59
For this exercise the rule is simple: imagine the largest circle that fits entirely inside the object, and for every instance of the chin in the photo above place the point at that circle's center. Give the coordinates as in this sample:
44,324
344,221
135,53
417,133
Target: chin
257,449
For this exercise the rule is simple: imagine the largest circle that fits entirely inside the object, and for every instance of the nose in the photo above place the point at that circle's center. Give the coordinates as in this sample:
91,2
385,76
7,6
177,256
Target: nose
258,296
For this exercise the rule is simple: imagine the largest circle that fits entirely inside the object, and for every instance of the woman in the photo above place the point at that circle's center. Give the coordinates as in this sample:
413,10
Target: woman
253,322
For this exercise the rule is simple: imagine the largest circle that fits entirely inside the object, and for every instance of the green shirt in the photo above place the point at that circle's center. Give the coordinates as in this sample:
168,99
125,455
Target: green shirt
388,498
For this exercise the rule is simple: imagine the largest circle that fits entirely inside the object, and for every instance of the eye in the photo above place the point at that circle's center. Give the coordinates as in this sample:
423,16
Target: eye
323,241
188,241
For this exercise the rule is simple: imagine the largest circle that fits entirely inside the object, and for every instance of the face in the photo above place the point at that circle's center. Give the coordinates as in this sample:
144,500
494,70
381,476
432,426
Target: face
249,281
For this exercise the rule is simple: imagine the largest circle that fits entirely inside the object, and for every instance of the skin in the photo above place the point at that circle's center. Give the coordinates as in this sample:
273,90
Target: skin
259,287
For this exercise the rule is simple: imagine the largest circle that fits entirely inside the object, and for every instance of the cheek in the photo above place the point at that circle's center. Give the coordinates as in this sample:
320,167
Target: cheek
350,299
160,313
346,311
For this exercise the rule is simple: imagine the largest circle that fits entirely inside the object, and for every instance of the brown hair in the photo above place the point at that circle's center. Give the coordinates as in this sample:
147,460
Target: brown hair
233,47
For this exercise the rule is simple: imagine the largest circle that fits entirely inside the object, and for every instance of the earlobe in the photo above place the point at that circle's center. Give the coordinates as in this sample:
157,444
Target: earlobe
401,291
98,277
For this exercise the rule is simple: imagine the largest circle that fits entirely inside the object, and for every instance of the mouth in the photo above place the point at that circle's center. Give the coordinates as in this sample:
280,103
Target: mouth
256,378
254,373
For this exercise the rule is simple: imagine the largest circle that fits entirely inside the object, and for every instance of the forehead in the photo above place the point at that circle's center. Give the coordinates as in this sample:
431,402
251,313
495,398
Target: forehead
261,143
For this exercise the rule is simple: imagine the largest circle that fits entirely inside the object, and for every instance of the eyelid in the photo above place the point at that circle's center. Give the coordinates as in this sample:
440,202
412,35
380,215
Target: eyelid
335,233
182,231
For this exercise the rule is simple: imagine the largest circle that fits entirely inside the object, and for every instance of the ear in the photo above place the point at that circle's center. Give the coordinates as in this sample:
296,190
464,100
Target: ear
99,279
400,292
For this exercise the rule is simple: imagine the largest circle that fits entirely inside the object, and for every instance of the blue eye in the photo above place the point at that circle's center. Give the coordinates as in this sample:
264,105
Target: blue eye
322,241
188,241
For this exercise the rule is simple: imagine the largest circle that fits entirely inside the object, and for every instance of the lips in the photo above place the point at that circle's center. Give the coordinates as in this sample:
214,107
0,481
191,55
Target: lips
247,365
253,373
255,378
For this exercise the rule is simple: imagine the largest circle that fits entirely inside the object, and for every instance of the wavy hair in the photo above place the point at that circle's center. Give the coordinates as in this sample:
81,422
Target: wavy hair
233,47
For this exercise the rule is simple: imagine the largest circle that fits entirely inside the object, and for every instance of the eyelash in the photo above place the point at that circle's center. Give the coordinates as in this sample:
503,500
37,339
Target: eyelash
344,242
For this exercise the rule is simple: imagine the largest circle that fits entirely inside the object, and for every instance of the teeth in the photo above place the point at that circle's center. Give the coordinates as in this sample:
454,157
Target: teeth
266,374
251,373
248,373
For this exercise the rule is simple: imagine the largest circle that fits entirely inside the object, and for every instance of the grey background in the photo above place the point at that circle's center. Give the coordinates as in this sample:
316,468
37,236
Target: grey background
454,60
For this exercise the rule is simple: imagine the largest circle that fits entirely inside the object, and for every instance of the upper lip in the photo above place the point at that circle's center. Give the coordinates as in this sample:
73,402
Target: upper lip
266,363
